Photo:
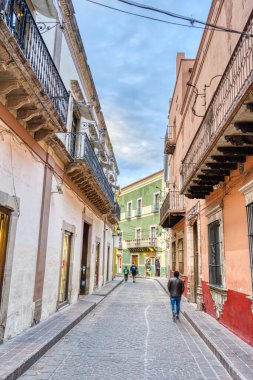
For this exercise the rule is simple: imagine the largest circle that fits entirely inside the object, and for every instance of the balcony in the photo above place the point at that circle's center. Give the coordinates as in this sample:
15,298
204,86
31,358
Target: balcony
85,170
170,140
172,210
142,245
225,135
30,85
115,215
156,207
138,212
128,214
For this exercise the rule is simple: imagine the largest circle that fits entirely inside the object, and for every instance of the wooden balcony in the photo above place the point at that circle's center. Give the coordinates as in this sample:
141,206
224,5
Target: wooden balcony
170,140
225,135
172,210
142,245
30,85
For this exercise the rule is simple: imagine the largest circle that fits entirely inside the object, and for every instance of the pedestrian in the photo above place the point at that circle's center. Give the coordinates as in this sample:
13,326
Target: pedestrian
176,289
133,270
126,273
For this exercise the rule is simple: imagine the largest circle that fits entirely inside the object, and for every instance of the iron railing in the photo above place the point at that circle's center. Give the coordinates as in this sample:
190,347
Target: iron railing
79,147
170,140
234,83
18,18
116,210
174,201
156,207
128,214
138,212
142,243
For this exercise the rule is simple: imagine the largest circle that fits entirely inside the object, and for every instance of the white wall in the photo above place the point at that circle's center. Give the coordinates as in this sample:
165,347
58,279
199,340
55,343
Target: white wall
28,174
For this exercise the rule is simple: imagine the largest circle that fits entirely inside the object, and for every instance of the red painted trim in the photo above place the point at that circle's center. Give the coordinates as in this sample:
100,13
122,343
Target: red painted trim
237,315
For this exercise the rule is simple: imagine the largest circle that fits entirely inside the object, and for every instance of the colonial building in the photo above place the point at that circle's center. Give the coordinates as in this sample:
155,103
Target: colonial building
58,172
209,148
142,241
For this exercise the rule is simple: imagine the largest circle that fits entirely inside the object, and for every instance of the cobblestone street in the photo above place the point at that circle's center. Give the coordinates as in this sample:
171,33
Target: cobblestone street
130,335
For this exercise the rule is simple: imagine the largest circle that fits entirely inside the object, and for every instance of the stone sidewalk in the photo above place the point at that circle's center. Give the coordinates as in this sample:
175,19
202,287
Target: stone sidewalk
18,354
234,354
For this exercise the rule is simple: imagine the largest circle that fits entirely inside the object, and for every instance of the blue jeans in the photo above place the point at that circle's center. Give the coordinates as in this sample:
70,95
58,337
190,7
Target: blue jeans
175,300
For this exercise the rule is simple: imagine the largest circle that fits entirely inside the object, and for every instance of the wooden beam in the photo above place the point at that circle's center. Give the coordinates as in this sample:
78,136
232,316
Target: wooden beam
239,140
236,150
234,159
245,126
223,172
225,165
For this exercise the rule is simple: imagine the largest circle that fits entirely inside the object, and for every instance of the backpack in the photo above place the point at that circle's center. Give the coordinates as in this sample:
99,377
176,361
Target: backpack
125,271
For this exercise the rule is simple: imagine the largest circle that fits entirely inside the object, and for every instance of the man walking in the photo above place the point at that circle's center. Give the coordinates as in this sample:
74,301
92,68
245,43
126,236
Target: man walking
126,273
176,289
133,270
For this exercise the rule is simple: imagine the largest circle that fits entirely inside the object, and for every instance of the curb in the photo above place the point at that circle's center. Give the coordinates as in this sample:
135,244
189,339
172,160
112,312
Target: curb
29,361
227,364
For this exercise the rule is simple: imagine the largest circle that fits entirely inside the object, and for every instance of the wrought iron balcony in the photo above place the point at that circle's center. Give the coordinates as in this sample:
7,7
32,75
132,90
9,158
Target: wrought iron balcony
142,245
79,147
128,214
116,211
18,18
138,212
224,138
172,210
156,207
170,140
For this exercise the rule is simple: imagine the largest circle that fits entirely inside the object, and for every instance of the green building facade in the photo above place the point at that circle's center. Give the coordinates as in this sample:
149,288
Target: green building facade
143,241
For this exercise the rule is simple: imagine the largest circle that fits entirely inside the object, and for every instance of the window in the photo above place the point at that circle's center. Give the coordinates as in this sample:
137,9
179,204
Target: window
156,205
214,250
153,235
129,210
181,256
139,207
138,236
249,209
174,256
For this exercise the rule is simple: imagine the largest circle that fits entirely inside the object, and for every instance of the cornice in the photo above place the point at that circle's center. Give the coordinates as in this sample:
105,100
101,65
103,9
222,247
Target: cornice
72,34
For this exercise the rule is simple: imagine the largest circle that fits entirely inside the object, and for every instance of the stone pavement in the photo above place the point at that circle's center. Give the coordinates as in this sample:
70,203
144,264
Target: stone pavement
130,335
235,355
18,354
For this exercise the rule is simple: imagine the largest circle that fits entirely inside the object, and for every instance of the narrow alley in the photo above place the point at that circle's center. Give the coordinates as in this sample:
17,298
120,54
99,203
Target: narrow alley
130,335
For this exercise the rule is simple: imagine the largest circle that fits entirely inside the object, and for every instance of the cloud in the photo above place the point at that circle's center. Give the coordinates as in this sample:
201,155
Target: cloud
133,64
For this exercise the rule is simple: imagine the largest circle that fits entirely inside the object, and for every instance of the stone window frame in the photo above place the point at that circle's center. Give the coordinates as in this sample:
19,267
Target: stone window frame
12,204
218,293
213,215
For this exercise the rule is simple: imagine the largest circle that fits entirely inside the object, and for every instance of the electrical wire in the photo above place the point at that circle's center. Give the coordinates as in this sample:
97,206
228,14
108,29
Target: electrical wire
191,20
147,17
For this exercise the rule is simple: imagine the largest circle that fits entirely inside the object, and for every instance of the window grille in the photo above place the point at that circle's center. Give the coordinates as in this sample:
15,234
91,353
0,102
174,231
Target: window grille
249,209
214,249
174,256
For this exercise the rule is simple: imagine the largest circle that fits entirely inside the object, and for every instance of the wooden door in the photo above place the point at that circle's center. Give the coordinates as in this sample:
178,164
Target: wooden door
135,260
83,269
97,264
64,271
196,259
4,223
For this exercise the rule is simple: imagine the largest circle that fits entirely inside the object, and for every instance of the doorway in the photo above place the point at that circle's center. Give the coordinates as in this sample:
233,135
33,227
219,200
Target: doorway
4,224
108,261
64,272
83,269
97,265
135,260
196,261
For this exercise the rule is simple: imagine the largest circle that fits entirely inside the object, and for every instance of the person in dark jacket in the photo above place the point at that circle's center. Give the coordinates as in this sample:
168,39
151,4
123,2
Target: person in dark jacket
133,270
176,289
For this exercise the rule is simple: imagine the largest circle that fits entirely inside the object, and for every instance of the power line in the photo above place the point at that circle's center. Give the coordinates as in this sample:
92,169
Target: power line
191,20
142,16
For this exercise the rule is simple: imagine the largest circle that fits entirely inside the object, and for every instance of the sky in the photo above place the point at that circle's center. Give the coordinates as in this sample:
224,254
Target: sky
133,64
